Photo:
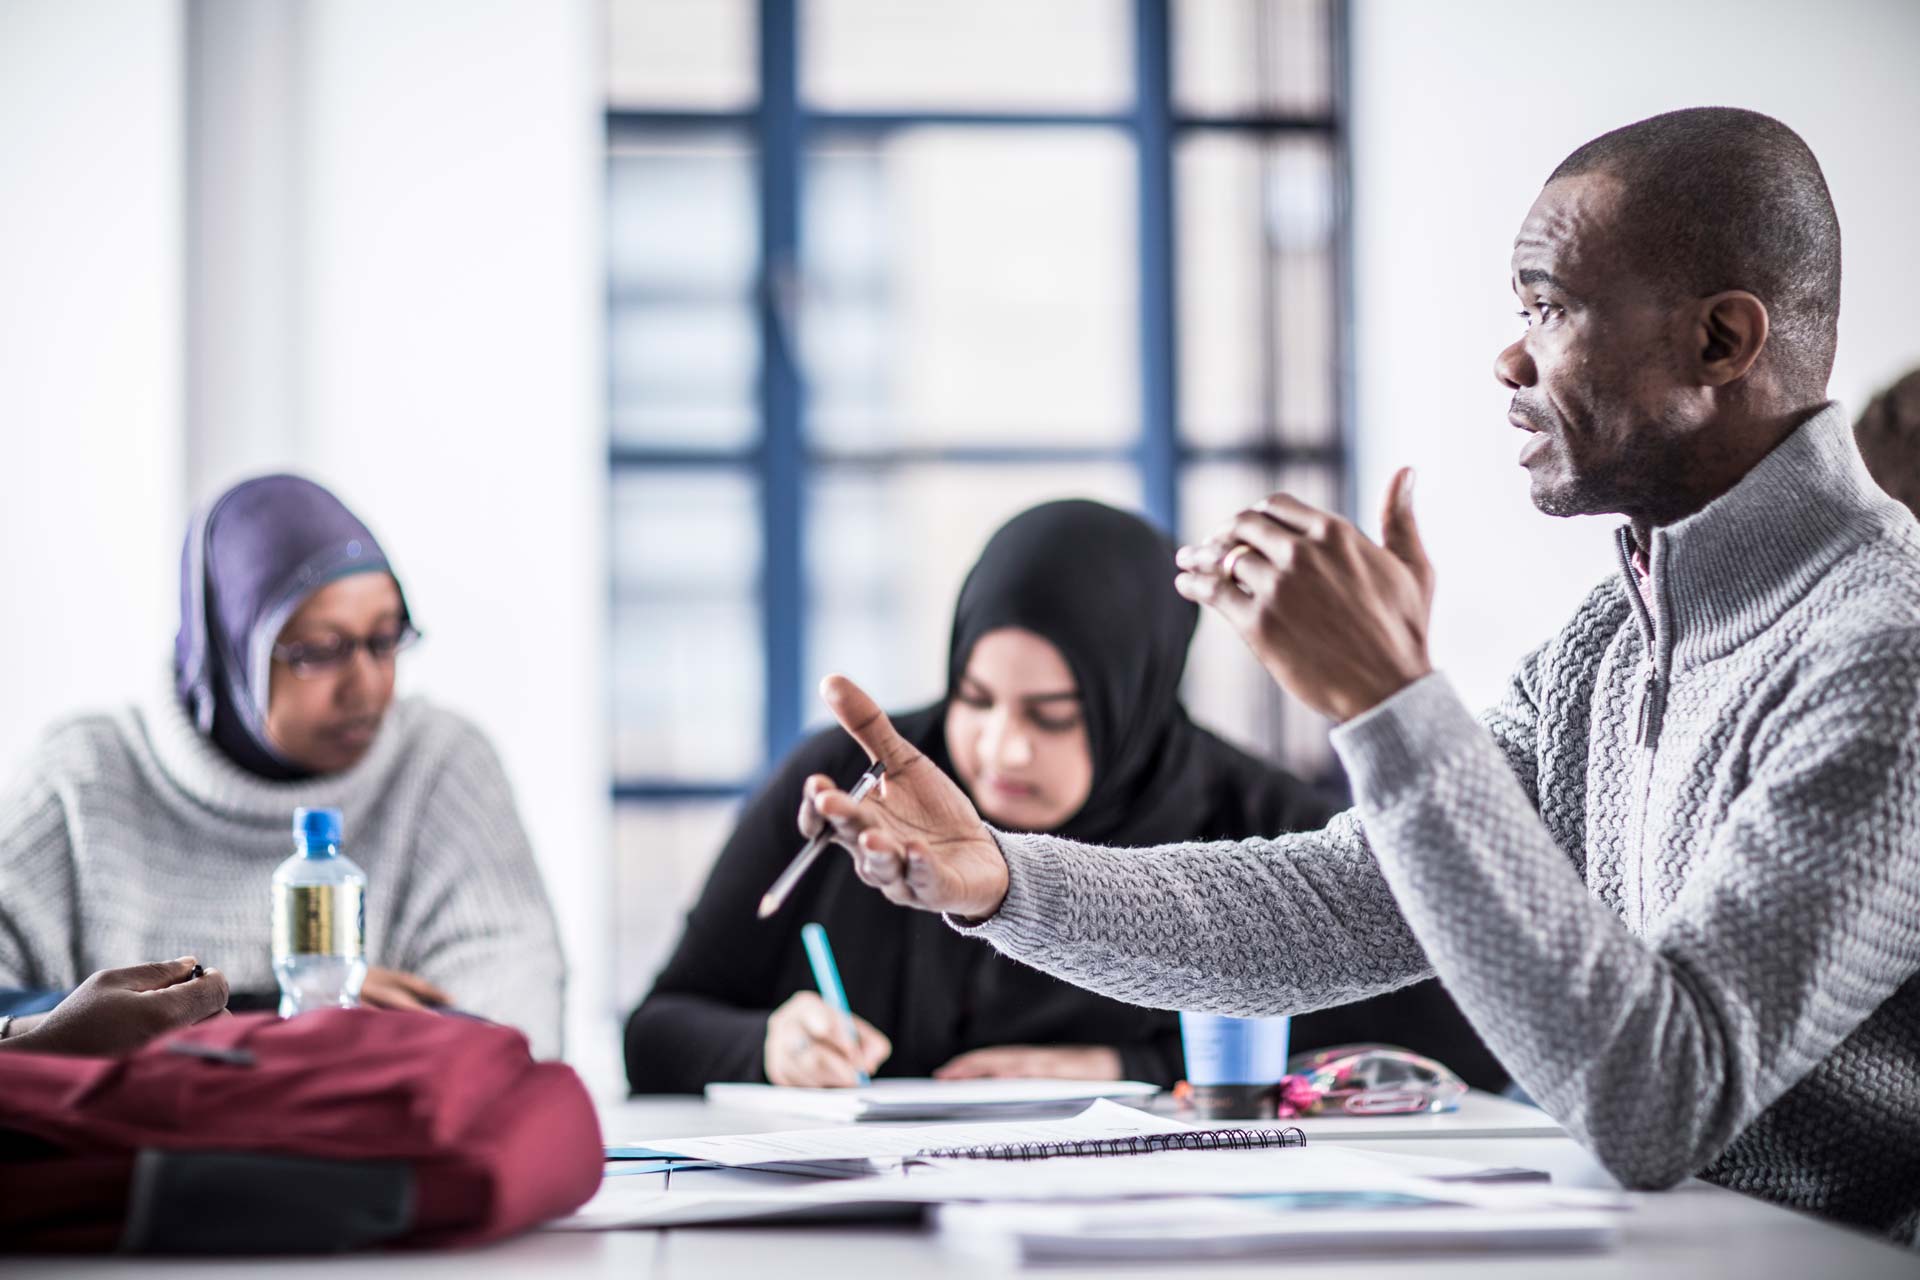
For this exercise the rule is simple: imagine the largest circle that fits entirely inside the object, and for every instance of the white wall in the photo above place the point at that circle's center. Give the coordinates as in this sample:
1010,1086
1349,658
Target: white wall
431,351
1460,111
90,331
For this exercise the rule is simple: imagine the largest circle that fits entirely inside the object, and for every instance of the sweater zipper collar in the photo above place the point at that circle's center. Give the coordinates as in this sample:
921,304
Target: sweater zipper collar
1652,697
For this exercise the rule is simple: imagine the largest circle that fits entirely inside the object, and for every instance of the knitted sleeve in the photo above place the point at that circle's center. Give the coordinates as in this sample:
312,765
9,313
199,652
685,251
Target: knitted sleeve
38,905
476,921
1799,918
1250,927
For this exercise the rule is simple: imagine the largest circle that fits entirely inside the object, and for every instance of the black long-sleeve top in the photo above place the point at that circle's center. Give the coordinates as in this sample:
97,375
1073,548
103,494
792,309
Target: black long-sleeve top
934,993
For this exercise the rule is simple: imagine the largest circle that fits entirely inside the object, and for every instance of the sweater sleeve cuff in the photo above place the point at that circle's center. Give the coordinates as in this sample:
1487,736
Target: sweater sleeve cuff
1033,910
1392,747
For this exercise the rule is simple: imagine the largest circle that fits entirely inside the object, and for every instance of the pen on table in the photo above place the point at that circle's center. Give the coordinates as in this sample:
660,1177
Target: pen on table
770,900
826,976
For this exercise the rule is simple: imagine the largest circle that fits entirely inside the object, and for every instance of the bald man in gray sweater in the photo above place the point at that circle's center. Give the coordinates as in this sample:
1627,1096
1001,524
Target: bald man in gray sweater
1674,877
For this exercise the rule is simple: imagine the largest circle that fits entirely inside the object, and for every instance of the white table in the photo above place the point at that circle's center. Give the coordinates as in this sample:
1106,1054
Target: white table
1694,1231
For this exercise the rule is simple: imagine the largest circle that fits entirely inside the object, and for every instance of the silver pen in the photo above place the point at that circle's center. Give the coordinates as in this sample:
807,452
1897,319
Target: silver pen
770,900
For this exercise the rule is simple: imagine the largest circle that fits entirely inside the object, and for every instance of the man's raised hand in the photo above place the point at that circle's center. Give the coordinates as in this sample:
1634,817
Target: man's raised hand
1337,619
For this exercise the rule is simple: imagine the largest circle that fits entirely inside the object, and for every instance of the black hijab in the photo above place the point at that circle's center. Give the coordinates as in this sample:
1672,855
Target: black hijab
1098,584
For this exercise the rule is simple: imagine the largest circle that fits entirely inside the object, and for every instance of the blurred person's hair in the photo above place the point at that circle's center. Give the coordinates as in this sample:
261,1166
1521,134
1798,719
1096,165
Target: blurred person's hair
1888,433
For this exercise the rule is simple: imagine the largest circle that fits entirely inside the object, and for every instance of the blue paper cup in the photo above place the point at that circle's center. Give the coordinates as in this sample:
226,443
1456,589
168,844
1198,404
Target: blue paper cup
1234,1064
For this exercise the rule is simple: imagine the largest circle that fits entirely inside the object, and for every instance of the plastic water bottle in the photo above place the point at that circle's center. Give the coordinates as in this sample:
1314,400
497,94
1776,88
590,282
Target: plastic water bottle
319,918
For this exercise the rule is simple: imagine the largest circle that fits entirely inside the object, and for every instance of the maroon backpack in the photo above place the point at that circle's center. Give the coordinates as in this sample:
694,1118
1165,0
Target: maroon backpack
338,1129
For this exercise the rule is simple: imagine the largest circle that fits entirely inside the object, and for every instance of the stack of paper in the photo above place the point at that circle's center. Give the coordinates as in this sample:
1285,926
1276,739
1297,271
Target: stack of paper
1179,1203
1385,1220
930,1099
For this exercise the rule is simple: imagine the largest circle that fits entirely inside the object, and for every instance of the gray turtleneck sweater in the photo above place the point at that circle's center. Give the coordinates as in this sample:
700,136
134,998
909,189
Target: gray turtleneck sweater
130,837
1673,878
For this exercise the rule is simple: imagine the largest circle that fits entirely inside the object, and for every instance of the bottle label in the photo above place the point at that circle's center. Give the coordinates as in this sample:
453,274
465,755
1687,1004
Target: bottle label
320,920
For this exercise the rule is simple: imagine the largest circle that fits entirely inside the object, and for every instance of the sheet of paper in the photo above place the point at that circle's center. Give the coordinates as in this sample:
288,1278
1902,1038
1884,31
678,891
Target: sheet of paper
1101,1120
1253,1226
1179,1173
927,1099
744,1195
629,1203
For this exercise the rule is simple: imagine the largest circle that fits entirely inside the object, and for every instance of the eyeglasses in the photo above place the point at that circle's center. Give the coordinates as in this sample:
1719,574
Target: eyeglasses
308,661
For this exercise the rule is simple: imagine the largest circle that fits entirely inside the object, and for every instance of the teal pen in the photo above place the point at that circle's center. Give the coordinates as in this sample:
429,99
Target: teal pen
826,976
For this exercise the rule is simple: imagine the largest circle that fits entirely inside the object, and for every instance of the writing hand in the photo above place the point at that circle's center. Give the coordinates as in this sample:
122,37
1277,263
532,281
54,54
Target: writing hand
807,1045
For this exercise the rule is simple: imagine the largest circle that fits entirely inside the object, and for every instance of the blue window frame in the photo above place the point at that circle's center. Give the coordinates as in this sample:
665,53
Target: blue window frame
747,461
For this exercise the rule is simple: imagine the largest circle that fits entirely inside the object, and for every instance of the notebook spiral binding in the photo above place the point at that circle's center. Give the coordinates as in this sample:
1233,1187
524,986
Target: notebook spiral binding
1144,1144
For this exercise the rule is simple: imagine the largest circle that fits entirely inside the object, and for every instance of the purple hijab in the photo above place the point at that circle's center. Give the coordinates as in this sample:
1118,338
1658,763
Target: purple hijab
252,557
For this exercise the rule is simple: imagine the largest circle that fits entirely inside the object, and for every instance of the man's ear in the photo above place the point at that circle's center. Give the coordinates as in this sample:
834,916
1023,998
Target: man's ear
1729,331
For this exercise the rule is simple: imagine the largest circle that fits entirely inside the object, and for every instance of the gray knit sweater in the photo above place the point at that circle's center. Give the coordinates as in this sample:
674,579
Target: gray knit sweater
1673,878
129,837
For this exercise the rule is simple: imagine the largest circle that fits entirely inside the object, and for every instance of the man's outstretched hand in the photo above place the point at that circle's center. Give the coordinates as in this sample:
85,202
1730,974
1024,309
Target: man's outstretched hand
916,837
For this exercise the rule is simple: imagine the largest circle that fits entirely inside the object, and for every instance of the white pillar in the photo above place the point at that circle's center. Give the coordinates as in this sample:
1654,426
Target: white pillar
90,334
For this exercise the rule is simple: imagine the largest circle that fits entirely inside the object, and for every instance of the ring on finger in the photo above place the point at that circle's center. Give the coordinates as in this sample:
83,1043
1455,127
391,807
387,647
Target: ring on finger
1232,561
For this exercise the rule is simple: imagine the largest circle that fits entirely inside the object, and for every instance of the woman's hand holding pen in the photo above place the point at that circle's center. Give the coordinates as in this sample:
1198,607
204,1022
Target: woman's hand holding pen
807,1045
917,839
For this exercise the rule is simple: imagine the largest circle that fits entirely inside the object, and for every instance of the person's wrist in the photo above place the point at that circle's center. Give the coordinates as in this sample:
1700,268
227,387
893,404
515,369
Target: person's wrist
989,903
20,1032
1351,704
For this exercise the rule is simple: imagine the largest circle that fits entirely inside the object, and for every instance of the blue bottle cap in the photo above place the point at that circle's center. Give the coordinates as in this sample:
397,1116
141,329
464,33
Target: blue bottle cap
316,828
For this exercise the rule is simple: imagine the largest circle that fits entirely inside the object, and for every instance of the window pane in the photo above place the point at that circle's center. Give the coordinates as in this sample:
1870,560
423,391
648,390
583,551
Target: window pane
1226,689
1006,55
972,287
1237,57
1258,313
888,549
682,244
684,54
662,853
688,680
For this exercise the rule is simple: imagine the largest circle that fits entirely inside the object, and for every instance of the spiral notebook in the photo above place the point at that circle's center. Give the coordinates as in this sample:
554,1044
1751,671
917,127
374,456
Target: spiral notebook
1135,1145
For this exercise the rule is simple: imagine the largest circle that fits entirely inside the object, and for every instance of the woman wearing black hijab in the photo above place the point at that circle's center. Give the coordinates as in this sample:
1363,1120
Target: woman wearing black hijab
1062,714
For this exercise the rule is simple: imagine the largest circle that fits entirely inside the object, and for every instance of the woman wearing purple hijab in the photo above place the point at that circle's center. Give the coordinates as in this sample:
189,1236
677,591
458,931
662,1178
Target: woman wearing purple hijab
154,831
